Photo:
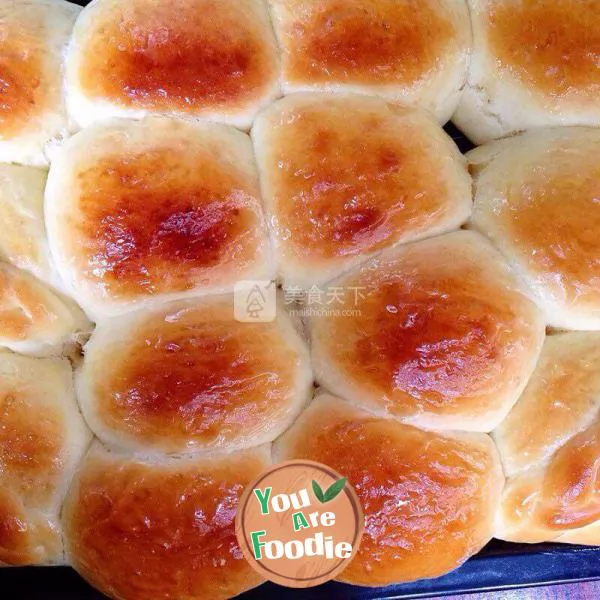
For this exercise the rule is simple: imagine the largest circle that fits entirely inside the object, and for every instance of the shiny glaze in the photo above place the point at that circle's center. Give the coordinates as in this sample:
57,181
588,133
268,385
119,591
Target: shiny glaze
31,443
351,176
147,531
559,496
550,443
25,81
185,55
27,309
553,47
195,378
561,398
364,41
439,327
163,220
552,216
424,496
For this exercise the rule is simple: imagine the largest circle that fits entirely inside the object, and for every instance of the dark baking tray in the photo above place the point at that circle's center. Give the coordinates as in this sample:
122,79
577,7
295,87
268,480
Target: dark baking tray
499,566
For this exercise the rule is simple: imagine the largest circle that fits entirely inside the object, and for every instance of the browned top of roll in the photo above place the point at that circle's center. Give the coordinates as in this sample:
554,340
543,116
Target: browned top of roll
550,444
190,376
363,41
182,56
428,500
31,443
41,437
136,209
25,91
553,47
441,335
348,175
144,531
134,220
537,199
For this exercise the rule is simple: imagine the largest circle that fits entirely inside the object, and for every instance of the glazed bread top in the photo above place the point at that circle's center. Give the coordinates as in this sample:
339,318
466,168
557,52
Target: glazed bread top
144,211
536,198
413,52
42,438
216,59
141,530
429,499
550,446
34,320
441,335
344,176
534,64
33,37
188,377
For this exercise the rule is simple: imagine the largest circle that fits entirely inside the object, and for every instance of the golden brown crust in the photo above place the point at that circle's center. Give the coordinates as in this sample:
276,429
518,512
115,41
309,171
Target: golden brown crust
33,35
349,175
442,338
558,497
140,210
191,377
544,217
187,56
24,80
33,319
41,438
550,444
428,500
362,42
552,47
141,531
133,222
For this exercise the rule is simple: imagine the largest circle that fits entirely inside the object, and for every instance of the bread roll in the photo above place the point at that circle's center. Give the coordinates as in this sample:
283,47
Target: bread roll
550,447
189,377
144,211
345,176
216,59
142,530
33,36
429,499
436,333
534,64
23,236
33,319
413,52
42,437
536,198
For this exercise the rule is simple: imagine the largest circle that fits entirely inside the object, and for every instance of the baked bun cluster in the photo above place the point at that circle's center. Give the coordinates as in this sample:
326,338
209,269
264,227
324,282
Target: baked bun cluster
217,145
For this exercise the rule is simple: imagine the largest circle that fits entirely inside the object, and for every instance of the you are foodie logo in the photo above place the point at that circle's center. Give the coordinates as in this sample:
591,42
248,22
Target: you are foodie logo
299,524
